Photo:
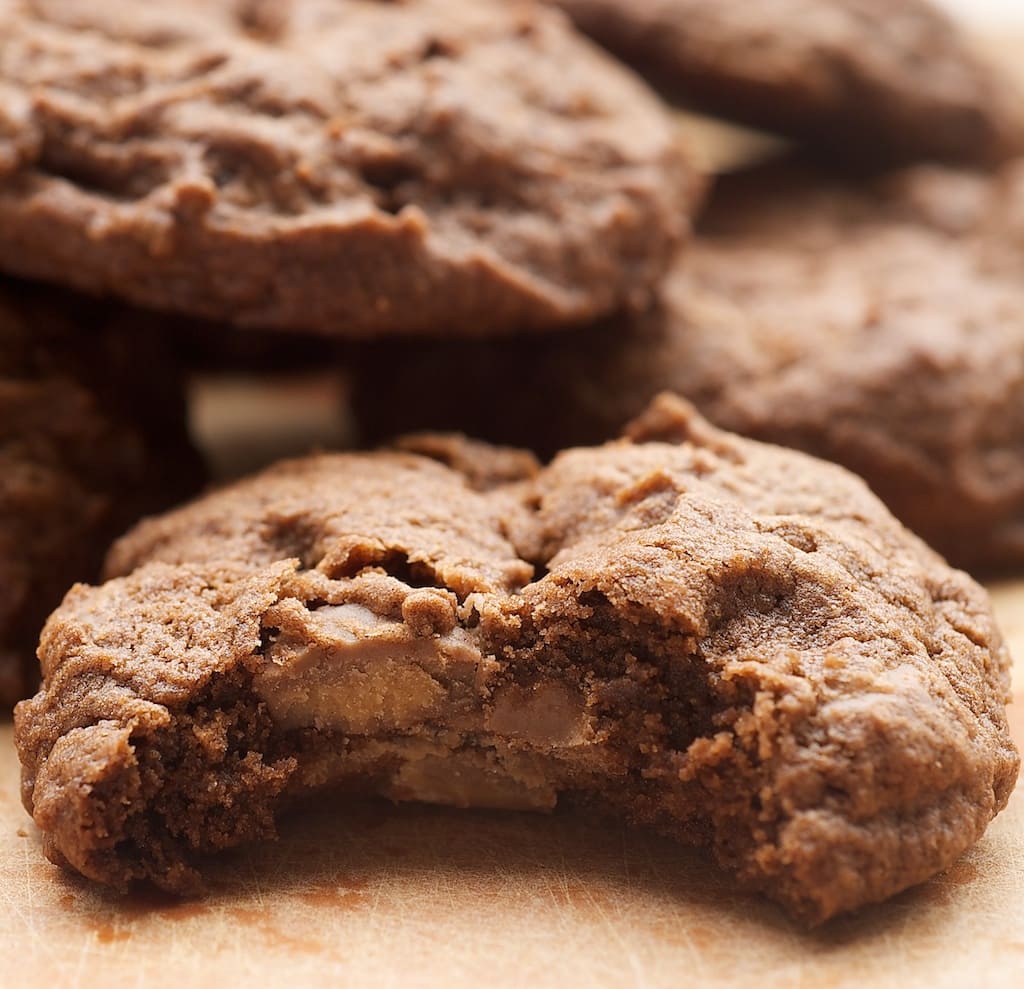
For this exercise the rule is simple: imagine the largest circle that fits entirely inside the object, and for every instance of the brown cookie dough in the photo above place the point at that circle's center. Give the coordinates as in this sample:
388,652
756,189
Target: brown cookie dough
878,324
92,436
353,167
731,642
866,79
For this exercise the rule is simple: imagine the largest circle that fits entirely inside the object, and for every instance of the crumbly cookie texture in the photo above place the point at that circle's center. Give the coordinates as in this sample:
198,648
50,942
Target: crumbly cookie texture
876,323
867,79
92,436
353,167
733,643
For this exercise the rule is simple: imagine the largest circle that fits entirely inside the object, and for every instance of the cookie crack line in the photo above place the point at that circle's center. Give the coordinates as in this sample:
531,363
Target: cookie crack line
817,718
330,174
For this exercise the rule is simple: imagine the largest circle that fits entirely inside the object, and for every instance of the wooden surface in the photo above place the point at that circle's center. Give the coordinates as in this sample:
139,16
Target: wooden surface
370,895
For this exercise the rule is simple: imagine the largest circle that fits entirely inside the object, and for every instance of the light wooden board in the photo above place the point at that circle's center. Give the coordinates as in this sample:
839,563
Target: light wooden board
370,895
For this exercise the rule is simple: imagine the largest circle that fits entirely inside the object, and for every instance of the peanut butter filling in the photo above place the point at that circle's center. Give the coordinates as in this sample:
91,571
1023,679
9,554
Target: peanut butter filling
362,674
430,706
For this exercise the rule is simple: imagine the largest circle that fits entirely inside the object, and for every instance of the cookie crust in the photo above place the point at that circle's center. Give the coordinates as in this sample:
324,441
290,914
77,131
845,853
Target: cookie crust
728,641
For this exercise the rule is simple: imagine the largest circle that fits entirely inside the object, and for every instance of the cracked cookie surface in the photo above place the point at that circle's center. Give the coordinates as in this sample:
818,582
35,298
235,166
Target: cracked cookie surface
875,323
870,79
92,436
353,167
730,642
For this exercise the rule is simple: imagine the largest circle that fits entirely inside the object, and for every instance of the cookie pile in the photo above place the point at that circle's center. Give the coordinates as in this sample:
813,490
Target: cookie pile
731,642
473,167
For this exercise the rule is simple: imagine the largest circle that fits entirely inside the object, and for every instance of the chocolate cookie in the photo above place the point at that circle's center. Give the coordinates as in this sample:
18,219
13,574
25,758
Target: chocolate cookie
870,79
731,642
876,324
349,166
92,436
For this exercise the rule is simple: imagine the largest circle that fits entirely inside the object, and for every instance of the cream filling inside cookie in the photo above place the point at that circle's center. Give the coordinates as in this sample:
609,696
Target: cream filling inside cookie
363,674
451,733
473,778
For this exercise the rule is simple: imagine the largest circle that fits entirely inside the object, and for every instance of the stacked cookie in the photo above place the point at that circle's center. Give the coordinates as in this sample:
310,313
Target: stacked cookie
731,642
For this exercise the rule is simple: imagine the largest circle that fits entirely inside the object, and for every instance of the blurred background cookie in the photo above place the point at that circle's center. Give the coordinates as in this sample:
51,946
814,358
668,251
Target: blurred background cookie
867,80
92,436
343,166
876,323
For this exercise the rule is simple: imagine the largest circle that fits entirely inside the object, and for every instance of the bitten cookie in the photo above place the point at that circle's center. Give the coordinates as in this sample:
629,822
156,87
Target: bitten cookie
731,642
92,435
347,166
878,324
867,79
